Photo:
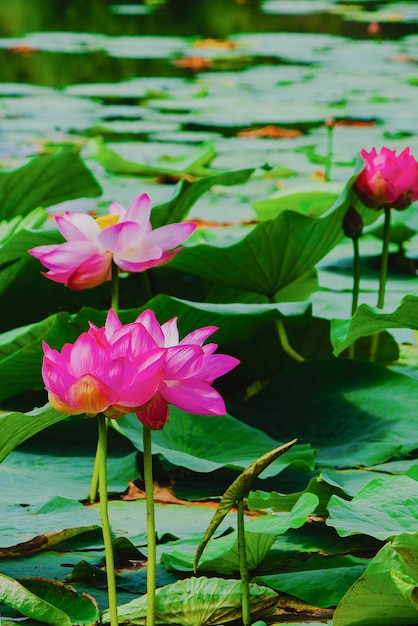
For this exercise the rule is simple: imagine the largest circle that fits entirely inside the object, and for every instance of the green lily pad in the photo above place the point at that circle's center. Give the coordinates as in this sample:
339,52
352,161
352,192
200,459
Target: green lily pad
44,181
204,444
198,602
390,581
368,320
39,527
322,581
48,601
354,413
385,507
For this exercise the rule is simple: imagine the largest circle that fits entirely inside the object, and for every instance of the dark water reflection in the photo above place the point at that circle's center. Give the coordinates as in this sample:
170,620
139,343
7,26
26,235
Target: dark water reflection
207,18
186,18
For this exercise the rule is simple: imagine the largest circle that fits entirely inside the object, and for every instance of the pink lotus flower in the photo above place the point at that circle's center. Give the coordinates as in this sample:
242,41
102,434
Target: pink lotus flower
189,368
124,236
388,180
94,375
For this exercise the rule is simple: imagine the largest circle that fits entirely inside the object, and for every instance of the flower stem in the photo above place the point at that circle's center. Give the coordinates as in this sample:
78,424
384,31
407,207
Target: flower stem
382,278
107,537
356,288
114,290
281,330
243,567
114,300
330,136
151,543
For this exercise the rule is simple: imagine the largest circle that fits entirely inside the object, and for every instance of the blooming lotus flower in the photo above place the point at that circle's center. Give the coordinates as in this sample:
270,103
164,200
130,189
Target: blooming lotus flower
124,236
388,180
190,369
94,375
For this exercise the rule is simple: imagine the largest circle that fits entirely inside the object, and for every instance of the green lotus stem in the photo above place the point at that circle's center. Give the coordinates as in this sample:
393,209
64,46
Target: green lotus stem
151,543
114,300
94,484
356,288
285,342
382,278
107,537
114,289
243,567
330,136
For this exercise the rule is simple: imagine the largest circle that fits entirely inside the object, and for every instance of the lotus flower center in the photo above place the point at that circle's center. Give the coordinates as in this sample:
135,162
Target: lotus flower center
104,221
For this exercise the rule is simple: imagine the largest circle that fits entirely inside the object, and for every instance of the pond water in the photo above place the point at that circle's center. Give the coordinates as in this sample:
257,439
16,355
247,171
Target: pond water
227,83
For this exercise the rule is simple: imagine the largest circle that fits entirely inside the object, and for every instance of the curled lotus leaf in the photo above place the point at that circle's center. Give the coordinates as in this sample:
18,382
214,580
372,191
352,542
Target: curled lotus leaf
237,490
198,601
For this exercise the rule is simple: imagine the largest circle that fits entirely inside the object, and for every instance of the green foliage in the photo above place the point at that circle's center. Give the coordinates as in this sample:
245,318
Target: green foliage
384,508
346,488
391,575
197,602
48,602
45,181
368,320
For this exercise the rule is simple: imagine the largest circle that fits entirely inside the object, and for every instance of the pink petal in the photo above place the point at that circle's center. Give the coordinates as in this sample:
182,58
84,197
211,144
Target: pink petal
155,415
86,356
112,324
171,235
134,267
133,340
139,211
171,333
149,321
194,397
41,251
408,181
141,389
78,226
215,365
91,273
120,237
65,256
90,395
62,406
56,378
116,209
183,362
199,336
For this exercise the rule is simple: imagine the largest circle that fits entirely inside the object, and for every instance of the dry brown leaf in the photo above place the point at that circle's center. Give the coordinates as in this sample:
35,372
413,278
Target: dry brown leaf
272,131
194,63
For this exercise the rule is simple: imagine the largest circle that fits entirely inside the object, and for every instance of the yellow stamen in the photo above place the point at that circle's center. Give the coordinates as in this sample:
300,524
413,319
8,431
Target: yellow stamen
104,221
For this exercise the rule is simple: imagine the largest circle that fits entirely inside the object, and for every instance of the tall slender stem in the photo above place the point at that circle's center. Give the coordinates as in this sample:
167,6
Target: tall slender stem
151,542
114,289
243,567
356,288
382,278
330,136
114,303
281,331
385,260
107,537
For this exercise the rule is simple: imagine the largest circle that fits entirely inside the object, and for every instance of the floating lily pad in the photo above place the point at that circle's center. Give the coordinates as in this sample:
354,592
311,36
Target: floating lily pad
198,602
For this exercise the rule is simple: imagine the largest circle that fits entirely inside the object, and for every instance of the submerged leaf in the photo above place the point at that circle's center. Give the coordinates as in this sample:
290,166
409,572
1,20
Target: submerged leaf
197,602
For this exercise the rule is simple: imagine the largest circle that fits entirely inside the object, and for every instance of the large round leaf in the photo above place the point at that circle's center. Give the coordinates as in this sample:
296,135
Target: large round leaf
354,413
